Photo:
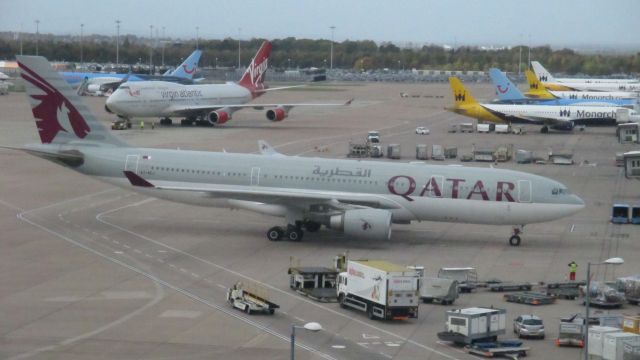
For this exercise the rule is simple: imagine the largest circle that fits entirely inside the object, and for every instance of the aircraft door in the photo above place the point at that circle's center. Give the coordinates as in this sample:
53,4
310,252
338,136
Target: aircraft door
524,191
255,176
131,163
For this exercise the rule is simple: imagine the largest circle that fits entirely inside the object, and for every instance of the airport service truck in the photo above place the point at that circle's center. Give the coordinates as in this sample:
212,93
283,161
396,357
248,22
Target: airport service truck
381,289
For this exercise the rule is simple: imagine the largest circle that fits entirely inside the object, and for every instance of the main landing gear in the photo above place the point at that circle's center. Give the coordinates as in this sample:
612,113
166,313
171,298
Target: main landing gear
166,121
514,240
292,232
544,129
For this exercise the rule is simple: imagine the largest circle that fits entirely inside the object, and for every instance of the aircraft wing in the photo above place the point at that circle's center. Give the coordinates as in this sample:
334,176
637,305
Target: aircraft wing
337,200
200,109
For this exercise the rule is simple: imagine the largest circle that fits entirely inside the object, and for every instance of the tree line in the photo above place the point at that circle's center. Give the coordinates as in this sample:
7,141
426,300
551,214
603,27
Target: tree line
305,53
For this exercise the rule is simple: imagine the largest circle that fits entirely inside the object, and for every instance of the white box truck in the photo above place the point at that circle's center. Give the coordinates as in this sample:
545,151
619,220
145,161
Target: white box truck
381,289
475,324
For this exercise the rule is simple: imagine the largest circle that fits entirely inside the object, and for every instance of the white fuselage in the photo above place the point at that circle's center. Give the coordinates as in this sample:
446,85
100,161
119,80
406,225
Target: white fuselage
595,95
166,99
410,191
596,81
590,86
558,114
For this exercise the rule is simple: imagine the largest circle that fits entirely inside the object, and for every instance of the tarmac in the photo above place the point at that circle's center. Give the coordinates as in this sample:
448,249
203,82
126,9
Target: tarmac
89,271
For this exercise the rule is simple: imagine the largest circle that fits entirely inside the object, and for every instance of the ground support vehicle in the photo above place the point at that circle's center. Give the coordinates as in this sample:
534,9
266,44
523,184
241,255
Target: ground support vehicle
472,325
383,290
250,299
509,286
565,290
509,349
316,282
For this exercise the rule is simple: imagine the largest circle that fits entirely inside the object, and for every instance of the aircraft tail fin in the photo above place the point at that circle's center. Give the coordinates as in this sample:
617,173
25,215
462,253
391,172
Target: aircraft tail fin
188,67
253,77
460,94
61,117
537,88
505,89
541,73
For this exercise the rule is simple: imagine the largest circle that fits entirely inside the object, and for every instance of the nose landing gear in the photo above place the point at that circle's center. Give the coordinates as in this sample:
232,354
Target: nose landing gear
514,240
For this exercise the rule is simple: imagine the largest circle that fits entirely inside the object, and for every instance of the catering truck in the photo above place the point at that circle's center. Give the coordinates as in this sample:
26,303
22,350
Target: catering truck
383,290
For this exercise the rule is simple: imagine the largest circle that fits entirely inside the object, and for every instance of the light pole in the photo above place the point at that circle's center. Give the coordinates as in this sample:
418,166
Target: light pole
150,49
216,63
118,43
587,298
37,35
197,37
239,31
331,58
81,43
529,57
20,36
312,326
163,43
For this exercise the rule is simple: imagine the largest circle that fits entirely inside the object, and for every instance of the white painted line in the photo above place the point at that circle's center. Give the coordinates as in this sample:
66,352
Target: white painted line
338,346
221,286
299,318
195,275
173,266
573,226
127,246
386,355
363,344
183,270
118,252
162,251
105,237
137,251
147,255
391,344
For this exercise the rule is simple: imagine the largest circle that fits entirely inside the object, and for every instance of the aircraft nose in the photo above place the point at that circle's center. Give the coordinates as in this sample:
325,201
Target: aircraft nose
578,201
109,105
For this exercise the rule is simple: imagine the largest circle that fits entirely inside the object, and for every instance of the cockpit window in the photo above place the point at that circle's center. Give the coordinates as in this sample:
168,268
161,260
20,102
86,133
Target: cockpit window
560,191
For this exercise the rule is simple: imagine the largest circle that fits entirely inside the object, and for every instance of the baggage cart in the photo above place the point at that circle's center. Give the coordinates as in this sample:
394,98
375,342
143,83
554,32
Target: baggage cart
250,299
510,348
564,290
530,298
509,286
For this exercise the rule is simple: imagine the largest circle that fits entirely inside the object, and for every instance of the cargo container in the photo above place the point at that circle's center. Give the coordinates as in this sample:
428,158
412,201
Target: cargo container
613,348
483,128
630,286
466,127
631,324
620,214
596,340
524,156
630,351
471,325
381,289
422,152
503,128
450,152
393,151
437,152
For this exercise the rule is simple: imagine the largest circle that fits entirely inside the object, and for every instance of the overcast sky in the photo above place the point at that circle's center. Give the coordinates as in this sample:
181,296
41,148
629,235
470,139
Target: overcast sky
572,23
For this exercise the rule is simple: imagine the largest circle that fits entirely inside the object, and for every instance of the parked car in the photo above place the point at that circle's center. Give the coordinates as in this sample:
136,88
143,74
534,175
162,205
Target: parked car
421,130
528,326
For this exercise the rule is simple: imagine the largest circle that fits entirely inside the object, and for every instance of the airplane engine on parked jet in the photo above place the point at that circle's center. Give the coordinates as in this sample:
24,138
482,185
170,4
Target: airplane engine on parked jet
219,117
277,114
94,88
372,224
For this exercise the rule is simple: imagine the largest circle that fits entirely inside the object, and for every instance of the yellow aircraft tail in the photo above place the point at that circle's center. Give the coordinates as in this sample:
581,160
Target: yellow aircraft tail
536,87
460,94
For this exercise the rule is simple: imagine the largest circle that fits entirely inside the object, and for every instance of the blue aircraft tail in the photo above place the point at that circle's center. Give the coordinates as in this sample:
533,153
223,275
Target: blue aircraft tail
505,89
188,68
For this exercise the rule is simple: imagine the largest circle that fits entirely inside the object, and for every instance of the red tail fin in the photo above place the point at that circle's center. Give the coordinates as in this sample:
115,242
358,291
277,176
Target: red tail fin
253,77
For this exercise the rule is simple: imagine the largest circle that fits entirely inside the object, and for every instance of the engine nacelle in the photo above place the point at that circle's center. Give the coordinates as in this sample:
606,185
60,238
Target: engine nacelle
219,117
372,224
93,88
277,114
568,126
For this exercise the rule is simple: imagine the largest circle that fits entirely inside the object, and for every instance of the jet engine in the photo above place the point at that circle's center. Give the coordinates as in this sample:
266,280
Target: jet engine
373,224
94,88
219,117
568,126
277,114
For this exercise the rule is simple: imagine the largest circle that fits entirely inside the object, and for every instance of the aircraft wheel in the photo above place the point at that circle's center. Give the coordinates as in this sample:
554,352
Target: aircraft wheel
544,129
312,226
294,233
275,233
514,240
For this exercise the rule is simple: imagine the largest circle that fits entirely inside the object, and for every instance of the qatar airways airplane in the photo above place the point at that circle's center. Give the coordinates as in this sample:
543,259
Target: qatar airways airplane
359,198
212,104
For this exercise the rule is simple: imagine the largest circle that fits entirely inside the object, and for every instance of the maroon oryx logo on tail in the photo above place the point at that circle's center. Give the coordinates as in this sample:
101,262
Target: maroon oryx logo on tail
55,113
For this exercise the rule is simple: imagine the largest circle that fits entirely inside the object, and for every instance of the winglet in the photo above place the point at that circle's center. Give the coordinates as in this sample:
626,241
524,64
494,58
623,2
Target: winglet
266,149
136,180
